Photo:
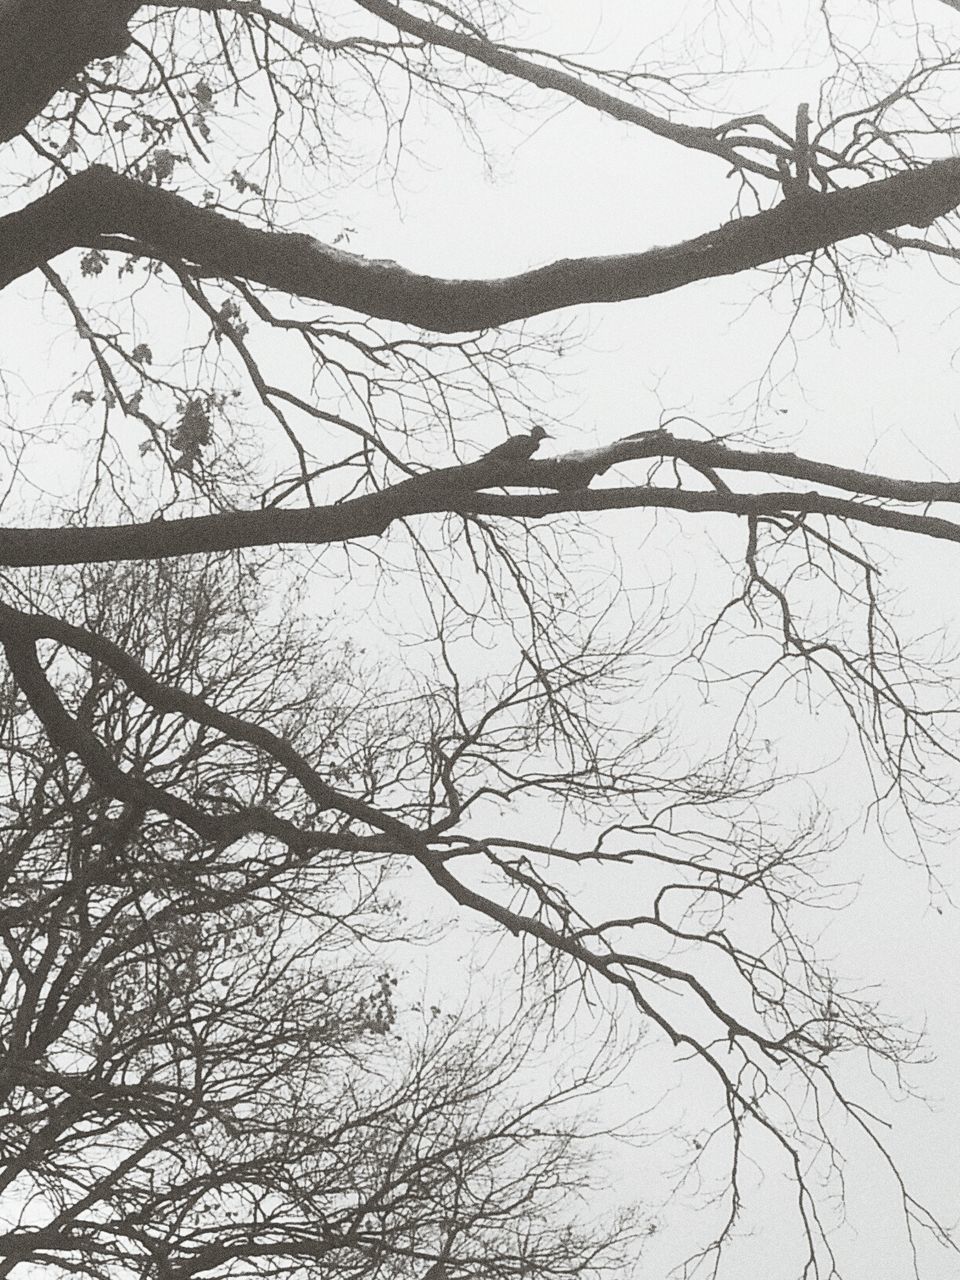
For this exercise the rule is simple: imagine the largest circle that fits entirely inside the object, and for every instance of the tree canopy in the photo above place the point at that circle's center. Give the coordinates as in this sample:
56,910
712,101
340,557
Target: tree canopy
307,678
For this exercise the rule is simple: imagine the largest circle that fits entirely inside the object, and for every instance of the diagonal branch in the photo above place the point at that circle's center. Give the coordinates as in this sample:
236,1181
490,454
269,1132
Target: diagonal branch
20,633
742,1046
473,45
100,209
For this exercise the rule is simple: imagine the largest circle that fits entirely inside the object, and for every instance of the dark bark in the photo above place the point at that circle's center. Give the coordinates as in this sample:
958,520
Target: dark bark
19,634
464,491
98,208
43,43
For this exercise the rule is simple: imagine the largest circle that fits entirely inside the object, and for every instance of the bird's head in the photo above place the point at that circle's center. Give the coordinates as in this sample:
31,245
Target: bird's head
538,433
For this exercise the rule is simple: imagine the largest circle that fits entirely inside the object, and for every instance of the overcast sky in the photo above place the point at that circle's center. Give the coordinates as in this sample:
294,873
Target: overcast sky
879,389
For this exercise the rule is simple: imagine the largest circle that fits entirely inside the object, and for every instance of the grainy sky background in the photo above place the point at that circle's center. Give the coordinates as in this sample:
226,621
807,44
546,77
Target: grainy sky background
878,390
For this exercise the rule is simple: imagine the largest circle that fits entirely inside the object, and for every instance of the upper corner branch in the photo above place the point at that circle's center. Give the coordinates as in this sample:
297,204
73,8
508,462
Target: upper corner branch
99,208
44,43
477,48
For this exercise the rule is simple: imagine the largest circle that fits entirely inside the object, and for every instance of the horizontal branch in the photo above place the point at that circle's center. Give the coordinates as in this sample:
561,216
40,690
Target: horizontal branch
463,491
773,504
721,457
99,208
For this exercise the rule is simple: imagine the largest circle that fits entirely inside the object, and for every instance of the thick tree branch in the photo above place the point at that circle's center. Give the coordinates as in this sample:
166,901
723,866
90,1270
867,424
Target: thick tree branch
43,43
99,208
462,491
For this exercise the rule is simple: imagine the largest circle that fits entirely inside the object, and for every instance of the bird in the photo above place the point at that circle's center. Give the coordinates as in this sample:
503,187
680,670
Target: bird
517,448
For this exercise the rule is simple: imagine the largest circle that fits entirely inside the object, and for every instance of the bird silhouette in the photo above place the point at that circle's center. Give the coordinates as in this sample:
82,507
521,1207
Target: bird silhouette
517,448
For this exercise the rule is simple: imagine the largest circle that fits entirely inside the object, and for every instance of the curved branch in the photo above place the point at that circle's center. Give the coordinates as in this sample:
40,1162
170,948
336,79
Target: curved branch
100,209
19,634
578,469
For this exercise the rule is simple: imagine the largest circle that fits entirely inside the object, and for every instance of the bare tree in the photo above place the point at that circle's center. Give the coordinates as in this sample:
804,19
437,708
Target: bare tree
200,1070
169,144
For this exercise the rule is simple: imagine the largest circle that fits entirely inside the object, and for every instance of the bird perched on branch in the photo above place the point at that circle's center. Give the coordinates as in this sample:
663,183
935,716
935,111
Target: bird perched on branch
517,448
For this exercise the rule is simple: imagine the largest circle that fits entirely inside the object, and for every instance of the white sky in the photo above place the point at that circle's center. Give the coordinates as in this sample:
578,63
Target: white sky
882,393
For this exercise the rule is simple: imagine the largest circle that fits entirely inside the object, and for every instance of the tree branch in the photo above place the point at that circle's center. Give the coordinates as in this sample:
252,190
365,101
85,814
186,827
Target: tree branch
100,209
479,49
19,634
44,43
461,490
